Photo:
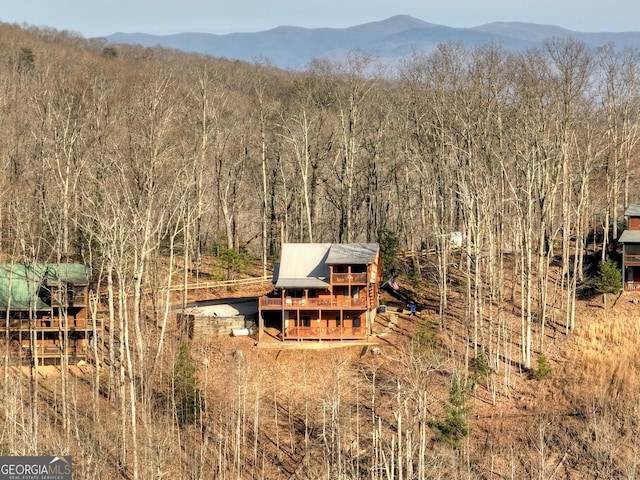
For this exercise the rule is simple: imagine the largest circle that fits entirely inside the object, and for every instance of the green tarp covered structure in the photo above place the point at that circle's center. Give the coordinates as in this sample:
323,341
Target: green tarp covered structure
25,286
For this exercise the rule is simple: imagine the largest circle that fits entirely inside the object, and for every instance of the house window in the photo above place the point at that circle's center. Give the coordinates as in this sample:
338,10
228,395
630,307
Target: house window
356,322
79,295
306,321
337,320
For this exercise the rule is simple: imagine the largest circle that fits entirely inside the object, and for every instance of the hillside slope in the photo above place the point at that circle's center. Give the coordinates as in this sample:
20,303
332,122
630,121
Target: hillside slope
311,413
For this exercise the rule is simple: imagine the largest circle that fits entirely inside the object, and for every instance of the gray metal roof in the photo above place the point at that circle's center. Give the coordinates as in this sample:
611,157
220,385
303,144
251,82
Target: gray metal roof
632,210
295,283
302,265
306,265
630,236
352,253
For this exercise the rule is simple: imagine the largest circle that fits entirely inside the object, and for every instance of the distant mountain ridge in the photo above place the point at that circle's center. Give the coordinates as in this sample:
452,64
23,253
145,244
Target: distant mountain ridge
388,40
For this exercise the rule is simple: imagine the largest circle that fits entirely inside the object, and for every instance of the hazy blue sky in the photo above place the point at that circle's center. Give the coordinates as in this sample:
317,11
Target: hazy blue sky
101,17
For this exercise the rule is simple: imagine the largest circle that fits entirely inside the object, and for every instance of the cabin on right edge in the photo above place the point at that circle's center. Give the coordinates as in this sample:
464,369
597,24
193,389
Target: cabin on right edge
630,240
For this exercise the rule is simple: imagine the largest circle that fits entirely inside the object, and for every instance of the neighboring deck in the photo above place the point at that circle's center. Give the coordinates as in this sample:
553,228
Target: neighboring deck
49,325
48,344
50,348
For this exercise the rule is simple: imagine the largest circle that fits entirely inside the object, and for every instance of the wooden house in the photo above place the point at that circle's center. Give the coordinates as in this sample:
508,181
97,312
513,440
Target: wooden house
323,291
630,240
45,310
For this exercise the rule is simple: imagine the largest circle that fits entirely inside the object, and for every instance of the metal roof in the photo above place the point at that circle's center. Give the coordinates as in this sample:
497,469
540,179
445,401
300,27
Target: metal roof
300,283
352,253
302,265
306,265
630,236
23,286
632,210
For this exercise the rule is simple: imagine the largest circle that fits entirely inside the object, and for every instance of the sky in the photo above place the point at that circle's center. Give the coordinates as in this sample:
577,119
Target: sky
96,18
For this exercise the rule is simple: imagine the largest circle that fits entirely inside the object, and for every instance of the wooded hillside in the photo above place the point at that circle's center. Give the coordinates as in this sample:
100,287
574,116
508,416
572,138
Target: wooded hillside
142,163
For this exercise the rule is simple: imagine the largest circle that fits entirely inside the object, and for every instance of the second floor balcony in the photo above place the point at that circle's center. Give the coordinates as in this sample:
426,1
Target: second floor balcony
633,259
349,278
322,301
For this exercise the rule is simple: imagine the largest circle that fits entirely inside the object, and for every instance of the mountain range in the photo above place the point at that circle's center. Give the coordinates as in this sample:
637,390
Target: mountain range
389,40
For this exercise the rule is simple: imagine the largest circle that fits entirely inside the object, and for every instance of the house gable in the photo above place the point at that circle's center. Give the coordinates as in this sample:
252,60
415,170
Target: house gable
303,265
307,265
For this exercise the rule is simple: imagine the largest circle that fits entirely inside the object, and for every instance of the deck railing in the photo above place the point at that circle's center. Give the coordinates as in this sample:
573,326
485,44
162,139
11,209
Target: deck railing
270,302
324,332
629,259
52,351
347,278
327,302
50,324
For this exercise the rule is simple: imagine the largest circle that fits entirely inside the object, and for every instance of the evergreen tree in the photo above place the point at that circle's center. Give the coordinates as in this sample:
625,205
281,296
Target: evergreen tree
187,395
609,277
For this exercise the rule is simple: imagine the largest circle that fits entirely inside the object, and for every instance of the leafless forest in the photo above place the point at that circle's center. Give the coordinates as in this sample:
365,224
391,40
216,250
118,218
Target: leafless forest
148,163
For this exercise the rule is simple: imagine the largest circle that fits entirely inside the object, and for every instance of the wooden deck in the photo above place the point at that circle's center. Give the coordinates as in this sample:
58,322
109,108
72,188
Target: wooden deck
325,333
326,301
272,338
631,286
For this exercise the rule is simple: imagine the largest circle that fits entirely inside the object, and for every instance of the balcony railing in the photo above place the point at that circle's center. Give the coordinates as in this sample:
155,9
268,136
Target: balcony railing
270,302
327,301
68,299
631,286
53,351
324,332
349,278
629,259
50,324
